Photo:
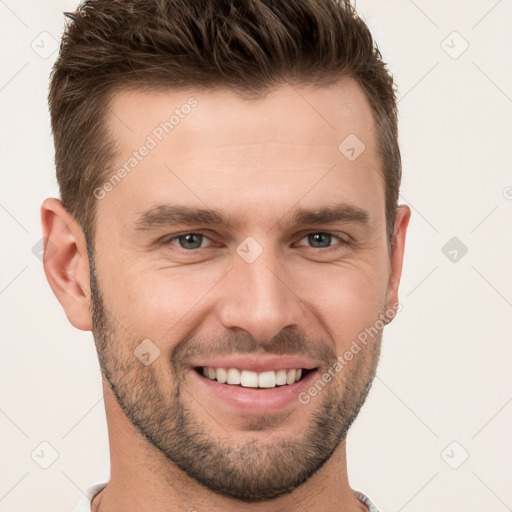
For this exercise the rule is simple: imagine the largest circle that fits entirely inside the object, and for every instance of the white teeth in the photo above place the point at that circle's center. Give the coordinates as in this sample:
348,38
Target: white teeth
222,375
233,376
281,377
267,379
250,379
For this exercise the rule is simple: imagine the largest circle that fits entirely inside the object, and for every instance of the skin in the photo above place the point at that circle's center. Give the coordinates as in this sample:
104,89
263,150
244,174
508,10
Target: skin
258,160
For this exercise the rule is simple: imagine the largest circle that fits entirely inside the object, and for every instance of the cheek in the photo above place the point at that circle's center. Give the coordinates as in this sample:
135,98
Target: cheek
348,302
161,305
167,304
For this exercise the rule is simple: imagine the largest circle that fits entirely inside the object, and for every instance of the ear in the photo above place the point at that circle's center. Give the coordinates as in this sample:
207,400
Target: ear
65,262
403,214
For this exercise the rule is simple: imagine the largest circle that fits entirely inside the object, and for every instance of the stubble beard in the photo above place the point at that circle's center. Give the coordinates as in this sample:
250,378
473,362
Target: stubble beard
252,470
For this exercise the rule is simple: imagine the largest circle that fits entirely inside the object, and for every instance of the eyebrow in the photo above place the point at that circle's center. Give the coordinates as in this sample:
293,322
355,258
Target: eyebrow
168,215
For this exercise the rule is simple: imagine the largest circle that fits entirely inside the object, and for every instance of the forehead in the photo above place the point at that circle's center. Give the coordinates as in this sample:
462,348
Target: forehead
311,116
206,147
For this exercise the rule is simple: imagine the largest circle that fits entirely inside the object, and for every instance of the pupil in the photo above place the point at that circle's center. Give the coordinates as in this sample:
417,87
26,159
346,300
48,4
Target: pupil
317,237
189,240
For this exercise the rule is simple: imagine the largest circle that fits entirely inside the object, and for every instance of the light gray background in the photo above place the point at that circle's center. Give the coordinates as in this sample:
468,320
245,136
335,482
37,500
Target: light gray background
446,363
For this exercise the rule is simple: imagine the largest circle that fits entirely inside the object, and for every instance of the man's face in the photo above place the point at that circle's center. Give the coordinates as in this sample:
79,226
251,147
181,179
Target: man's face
266,293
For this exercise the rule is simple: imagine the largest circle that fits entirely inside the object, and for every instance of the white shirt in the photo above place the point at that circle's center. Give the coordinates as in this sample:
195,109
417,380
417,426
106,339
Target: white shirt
85,502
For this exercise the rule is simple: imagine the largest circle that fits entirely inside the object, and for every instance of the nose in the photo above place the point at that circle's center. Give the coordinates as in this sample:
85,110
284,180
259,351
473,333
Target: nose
258,297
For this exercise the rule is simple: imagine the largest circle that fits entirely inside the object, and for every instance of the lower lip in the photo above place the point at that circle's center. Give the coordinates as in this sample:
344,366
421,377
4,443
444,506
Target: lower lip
255,400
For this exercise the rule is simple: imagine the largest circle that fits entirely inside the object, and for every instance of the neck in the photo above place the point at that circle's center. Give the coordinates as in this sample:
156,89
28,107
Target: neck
144,479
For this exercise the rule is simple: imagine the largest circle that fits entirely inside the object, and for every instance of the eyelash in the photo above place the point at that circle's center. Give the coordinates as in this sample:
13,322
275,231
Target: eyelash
341,242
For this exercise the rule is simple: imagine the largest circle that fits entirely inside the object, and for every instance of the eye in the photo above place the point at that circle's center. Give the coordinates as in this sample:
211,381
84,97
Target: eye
188,240
322,240
317,240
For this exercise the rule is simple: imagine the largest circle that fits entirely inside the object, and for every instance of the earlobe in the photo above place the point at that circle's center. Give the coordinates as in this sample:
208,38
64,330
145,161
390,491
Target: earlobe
65,262
403,214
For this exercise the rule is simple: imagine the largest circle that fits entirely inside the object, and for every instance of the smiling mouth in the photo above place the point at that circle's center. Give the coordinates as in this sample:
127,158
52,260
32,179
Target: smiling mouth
250,379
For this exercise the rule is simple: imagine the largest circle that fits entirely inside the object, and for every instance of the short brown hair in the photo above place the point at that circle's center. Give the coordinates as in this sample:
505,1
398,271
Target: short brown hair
245,46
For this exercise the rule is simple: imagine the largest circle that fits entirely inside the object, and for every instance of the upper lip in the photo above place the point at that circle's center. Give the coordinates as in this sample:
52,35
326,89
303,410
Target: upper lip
258,363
